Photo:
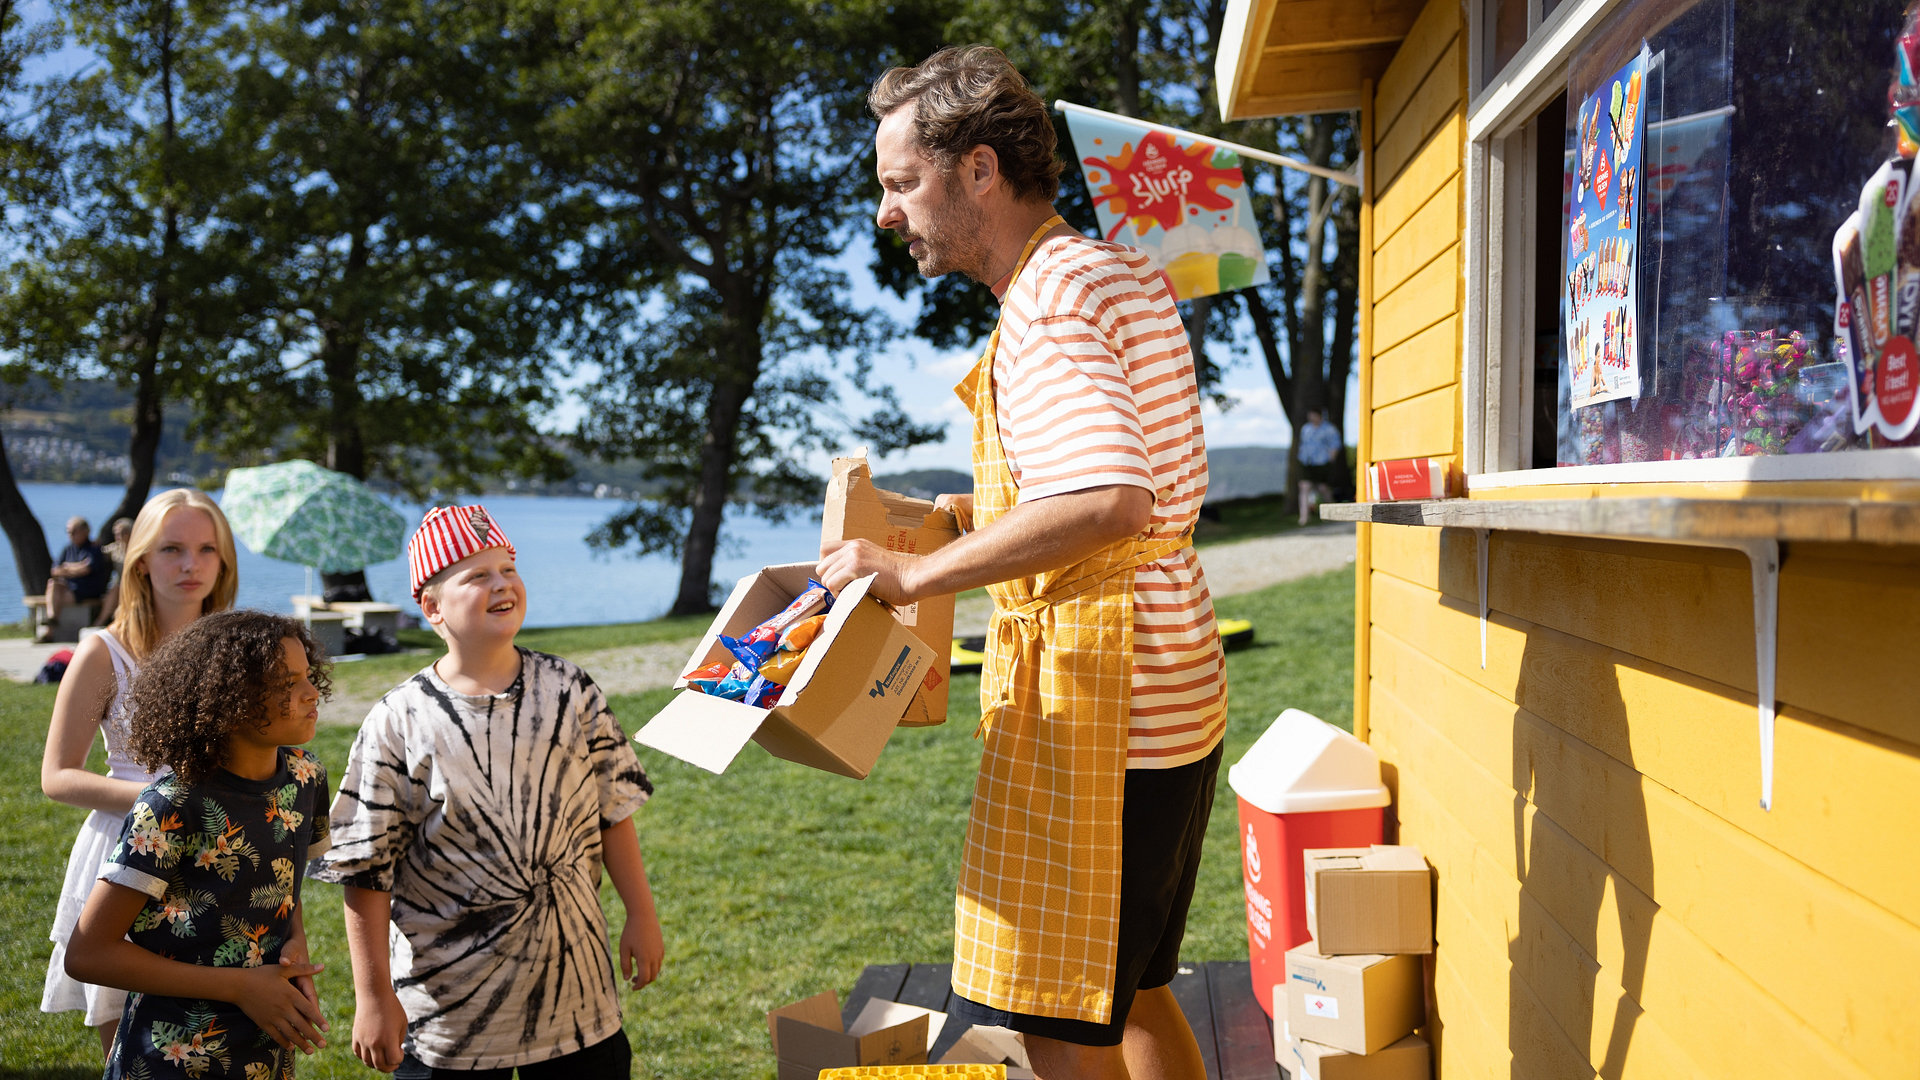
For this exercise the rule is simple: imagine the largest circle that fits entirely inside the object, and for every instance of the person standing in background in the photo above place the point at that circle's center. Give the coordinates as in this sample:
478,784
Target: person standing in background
1322,460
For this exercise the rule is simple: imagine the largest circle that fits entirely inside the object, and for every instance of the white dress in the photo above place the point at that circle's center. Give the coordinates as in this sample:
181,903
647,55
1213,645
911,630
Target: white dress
91,848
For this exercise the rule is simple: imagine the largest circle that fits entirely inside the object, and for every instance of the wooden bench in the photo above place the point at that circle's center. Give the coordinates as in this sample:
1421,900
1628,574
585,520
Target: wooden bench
1235,1037
368,616
74,618
361,615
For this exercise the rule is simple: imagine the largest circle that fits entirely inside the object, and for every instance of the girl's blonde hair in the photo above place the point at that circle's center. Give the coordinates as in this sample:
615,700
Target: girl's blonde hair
135,623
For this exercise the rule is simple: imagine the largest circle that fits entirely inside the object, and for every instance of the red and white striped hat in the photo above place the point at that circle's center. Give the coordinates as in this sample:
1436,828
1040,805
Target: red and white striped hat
448,534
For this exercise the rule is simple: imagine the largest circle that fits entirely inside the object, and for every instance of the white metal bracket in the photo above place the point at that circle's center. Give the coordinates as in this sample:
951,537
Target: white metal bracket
1763,558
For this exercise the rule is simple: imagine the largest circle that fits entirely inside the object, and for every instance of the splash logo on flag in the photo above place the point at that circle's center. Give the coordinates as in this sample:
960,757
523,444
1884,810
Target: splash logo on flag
1181,200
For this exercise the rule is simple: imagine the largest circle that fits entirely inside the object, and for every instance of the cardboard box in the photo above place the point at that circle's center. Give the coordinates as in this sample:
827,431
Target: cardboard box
1359,1004
1282,1038
840,707
807,1037
1408,1059
1375,899
991,1046
857,510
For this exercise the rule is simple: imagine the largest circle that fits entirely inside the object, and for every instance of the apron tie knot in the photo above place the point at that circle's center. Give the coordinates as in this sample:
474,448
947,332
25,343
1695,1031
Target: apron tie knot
1013,629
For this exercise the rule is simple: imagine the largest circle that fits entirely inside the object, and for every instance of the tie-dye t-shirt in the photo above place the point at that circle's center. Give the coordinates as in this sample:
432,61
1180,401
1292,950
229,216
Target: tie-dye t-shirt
482,815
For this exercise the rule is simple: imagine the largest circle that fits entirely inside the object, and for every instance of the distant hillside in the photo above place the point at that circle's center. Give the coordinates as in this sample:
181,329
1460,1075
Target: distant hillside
925,483
1241,472
1234,472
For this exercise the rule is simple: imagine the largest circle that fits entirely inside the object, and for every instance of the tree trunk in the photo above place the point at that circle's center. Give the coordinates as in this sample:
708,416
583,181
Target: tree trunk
1309,366
31,559
1126,58
346,444
717,451
143,445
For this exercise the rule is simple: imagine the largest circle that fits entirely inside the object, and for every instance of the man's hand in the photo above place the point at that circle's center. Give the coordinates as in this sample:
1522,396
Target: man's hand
379,1025
845,561
960,506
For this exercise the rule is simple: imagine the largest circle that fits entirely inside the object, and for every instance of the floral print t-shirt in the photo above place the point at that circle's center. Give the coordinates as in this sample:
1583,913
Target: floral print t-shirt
221,863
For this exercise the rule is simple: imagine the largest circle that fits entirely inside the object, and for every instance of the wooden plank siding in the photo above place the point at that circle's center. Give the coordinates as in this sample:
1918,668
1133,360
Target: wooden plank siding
1611,900
1621,788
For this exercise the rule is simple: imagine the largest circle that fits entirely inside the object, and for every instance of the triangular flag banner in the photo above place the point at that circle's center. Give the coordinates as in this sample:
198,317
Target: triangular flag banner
1180,199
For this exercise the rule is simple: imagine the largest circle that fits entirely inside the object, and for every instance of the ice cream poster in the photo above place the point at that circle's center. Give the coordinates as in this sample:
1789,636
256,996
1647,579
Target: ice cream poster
1600,293
1180,199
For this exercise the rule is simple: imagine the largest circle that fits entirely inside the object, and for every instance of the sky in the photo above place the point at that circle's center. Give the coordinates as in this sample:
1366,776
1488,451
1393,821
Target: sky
925,376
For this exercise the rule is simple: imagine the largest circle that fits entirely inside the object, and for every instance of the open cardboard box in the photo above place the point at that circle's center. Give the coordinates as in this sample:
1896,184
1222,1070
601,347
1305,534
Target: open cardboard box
839,709
857,510
807,1036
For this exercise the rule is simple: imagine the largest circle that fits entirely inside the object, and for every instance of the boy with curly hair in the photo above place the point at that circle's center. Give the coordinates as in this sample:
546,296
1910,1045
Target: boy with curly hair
479,803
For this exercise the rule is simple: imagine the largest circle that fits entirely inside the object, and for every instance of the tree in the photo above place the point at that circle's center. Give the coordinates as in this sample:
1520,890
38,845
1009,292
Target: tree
728,150
406,251
29,183
1154,59
127,284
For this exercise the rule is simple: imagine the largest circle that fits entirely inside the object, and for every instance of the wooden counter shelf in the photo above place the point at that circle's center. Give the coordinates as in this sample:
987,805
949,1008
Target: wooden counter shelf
1656,519
1753,527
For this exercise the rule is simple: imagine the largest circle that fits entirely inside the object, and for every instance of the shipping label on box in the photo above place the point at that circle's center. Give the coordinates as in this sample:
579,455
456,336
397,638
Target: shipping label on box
1354,1003
1375,899
807,1037
837,711
1408,1059
857,510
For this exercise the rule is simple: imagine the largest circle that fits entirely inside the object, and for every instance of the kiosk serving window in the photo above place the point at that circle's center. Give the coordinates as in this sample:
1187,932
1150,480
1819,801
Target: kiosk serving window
1695,241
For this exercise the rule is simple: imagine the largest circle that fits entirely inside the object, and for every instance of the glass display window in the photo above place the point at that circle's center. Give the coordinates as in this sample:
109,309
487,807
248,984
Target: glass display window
1683,177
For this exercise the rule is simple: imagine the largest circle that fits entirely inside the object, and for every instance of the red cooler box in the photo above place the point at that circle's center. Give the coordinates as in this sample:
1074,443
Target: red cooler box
1304,784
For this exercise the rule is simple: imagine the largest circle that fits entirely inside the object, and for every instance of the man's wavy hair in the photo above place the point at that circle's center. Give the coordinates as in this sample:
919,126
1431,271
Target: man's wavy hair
967,96
211,676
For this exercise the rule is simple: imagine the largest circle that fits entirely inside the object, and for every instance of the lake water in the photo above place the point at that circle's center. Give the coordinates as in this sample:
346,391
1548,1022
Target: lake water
568,583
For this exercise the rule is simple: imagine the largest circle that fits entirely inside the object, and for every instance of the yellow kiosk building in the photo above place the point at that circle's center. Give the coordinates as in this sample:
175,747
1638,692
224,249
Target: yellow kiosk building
1646,688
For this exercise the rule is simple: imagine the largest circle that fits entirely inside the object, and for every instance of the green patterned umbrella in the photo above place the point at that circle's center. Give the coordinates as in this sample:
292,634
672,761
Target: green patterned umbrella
302,513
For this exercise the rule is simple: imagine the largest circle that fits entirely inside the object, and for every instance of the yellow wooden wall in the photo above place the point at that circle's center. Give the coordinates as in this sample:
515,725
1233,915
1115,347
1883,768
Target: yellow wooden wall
1611,899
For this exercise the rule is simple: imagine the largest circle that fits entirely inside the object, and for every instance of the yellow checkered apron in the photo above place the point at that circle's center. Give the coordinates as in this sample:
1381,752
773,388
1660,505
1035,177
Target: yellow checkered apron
1038,905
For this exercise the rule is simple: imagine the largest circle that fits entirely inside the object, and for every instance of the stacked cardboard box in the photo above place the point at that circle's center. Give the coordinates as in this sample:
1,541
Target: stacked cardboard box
1357,990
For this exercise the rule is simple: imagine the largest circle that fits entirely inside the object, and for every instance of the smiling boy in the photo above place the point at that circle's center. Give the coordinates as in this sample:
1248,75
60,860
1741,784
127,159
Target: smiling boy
480,801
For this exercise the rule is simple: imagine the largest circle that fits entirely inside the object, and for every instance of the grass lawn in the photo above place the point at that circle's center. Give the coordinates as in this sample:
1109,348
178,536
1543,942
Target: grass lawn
773,881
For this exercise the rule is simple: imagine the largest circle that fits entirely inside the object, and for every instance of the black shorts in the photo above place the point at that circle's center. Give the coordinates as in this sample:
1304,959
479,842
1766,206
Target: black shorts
1162,827
609,1059
1329,474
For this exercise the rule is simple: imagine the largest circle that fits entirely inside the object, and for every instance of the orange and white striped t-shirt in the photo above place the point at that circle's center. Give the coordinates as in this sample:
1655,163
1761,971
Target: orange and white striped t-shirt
1094,385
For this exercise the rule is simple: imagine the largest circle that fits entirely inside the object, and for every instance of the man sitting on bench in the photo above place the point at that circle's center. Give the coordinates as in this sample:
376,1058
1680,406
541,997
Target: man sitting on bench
80,575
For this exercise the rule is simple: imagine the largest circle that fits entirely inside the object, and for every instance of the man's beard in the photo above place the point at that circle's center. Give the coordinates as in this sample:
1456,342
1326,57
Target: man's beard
956,239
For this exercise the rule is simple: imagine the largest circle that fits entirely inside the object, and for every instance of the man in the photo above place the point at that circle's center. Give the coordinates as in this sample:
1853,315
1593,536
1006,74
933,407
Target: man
79,575
1322,458
1103,694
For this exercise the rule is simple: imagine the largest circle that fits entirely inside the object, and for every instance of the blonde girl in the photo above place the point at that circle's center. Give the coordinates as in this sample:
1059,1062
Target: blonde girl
179,566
